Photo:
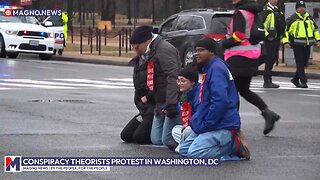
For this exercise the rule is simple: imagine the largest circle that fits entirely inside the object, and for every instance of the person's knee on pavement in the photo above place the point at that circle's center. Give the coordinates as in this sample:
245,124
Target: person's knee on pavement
165,141
126,136
156,139
141,138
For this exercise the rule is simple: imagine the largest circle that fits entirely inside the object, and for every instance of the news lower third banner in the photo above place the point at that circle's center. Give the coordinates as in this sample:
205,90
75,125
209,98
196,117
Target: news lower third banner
20,164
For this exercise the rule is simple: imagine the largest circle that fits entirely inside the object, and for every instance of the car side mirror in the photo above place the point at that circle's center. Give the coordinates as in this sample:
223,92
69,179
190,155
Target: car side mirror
48,24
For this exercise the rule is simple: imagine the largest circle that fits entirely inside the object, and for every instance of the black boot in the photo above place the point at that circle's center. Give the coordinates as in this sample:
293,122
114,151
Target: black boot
270,118
304,85
172,145
296,83
270,84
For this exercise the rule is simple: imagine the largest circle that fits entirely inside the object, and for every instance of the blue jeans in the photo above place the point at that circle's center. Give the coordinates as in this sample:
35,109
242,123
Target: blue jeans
179,136
161,129
214,144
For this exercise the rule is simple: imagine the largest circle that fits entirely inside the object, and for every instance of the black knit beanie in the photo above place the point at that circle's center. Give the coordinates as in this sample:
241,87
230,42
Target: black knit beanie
141,34
190,73
207,43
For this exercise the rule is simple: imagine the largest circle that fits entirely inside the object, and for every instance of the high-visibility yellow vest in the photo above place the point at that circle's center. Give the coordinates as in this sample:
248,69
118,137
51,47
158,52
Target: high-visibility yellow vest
65,25
269,24
301,30
274,22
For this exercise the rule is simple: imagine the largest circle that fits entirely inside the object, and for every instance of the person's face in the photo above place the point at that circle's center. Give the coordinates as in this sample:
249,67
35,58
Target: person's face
202,55
273,2
184,84
301,10
141,48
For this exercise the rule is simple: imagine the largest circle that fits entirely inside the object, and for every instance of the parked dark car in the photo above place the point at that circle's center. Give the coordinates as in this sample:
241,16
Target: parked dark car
184,29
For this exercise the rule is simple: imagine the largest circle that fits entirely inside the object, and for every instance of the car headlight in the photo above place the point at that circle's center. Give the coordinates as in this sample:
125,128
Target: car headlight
50,35
11,32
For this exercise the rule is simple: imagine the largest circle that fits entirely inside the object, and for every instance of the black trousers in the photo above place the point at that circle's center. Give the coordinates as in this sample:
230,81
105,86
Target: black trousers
301,55
243,87
271,56
138,132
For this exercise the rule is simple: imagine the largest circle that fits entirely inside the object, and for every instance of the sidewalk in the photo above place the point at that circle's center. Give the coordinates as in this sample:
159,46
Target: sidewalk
312,71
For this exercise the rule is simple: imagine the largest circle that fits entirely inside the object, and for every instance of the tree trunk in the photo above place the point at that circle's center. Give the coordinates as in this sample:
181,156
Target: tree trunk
79,11
70,12
83,13
108,10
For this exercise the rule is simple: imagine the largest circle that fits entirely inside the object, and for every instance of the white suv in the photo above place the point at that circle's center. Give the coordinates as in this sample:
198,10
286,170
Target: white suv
19,37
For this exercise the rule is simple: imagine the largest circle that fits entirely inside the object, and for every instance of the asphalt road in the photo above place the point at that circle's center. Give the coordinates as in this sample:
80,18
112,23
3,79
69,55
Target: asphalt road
50,108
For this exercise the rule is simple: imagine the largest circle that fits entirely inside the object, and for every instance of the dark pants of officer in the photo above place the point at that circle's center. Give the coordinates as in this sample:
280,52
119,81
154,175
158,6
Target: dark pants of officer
138,132
271,56
301,55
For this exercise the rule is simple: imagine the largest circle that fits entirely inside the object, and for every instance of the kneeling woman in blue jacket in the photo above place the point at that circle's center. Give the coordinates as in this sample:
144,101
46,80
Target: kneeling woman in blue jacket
189,101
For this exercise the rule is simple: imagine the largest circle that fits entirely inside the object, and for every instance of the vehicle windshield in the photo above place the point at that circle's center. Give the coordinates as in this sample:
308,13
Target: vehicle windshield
9,18
28,19
219,24
56,20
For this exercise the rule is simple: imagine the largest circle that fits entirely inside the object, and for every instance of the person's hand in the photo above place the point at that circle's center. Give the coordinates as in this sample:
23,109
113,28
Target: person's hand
318,43
171,111
287,45
144,99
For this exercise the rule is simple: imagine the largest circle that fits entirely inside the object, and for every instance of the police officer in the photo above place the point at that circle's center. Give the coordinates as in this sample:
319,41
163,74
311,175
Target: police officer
301,33
274,22
65,27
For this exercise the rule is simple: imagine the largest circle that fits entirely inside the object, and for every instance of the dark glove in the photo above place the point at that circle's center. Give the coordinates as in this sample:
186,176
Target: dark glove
171,111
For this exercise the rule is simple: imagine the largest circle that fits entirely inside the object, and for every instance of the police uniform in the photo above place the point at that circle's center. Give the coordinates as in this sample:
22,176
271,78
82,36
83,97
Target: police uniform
301,33
274,22
65,26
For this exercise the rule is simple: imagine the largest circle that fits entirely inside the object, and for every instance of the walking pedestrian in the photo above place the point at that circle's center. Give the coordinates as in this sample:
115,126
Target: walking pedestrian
274,22
242,57
301,33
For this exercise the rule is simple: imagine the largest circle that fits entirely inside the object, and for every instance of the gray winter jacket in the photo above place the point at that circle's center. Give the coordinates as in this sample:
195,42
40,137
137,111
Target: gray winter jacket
167,65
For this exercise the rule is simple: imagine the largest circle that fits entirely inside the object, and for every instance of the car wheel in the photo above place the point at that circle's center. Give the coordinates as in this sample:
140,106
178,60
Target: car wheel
188,56
45,56
2,48
12,55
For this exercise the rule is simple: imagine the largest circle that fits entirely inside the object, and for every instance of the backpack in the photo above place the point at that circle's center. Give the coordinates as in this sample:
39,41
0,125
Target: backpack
281,23
257,32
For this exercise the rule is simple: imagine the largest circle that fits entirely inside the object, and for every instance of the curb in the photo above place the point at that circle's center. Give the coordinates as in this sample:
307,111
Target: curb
91,61
125,63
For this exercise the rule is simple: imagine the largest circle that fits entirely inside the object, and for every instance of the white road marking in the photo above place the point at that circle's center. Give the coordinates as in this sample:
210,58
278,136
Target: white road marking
310,95
36,86
120,79
3,88
94,82
58,68
63,84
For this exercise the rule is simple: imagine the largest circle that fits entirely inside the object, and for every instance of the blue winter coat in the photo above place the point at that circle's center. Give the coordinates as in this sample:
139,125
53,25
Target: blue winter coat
218,109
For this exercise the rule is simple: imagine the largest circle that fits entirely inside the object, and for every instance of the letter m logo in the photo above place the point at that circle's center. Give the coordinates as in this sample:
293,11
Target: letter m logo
12,164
